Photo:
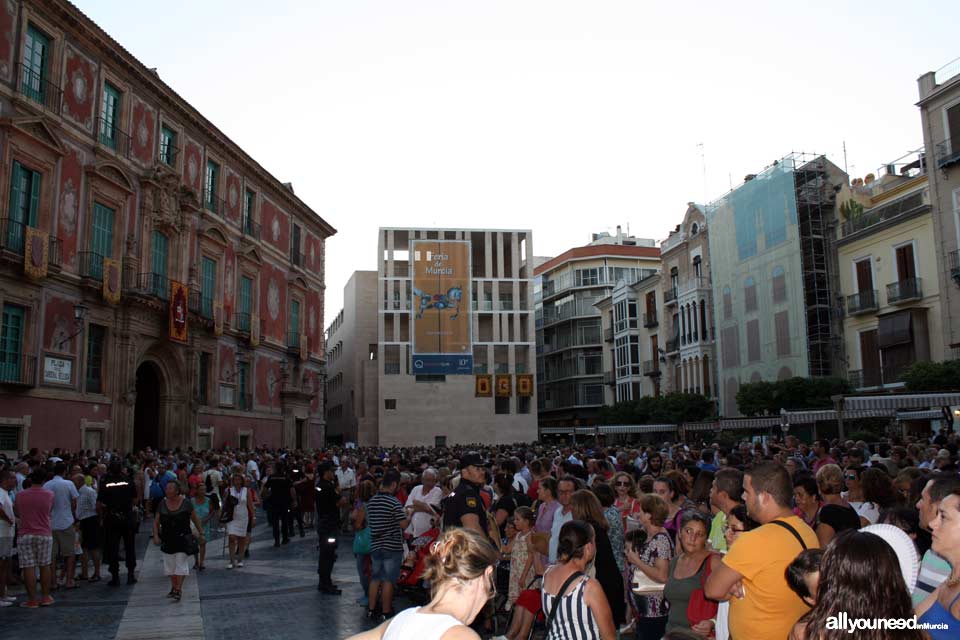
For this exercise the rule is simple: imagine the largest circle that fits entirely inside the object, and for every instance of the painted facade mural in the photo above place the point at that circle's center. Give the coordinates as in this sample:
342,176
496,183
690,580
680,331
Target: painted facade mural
79,88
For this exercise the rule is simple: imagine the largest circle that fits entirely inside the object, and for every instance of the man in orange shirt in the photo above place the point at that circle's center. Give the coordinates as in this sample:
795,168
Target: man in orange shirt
751,575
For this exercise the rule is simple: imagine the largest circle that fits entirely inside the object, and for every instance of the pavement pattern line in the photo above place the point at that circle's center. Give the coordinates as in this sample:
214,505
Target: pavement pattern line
145,617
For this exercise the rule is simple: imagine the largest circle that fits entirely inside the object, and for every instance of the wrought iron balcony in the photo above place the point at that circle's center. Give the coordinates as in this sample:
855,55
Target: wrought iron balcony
251,229
904,291
651,367
293,340
673,344
608,334
151,284
200,304
113,137
241,322
947,153
650,320
20,372
670,296
863,302
245,401
36,87
168,154
13,236
91,265
213,203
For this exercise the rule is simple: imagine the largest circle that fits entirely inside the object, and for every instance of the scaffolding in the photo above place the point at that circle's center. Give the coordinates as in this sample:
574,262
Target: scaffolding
816,220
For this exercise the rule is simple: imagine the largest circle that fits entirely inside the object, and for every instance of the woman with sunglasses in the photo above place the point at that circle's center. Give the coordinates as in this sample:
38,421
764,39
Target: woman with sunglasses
626,496
460,572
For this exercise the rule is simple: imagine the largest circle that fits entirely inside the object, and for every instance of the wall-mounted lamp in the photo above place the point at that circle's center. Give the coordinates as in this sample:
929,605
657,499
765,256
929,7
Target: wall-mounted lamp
79,315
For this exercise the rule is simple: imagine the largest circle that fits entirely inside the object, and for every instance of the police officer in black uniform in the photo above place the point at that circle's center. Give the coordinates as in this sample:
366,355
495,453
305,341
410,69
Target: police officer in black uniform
116,501
328,525
464,507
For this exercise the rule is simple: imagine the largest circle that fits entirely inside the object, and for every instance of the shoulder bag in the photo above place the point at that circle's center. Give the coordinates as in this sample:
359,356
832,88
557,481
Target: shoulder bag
788,527
699,607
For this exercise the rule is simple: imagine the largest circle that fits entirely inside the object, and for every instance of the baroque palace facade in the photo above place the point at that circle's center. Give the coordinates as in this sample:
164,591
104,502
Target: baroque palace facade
158,286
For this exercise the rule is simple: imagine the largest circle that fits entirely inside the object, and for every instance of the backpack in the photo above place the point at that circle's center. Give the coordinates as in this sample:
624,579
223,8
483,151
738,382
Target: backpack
156,491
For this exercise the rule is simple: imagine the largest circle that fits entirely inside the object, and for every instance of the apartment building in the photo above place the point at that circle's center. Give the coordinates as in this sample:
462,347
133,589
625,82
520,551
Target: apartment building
158,286
688,307
630,320
888,274
773,269
455,337
940,116
570,341
352,365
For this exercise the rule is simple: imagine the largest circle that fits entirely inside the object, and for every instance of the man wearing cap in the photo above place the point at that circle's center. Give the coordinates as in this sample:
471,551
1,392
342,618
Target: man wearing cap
464,507
328,525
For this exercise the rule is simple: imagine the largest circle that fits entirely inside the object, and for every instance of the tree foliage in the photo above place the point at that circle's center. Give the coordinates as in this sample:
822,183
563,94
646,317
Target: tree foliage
767,398
933,376
672,408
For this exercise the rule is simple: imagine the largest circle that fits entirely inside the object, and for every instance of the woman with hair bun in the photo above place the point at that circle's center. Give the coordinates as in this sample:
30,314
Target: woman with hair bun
575,604
460,571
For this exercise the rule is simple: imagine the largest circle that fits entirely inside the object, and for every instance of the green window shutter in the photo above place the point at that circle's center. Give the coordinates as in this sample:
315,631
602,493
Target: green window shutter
102,240
95,341
167,144
11,342
36,52
246,294
34,198
295,317
248,212
108,116
211,185
15,231
208,284
158,258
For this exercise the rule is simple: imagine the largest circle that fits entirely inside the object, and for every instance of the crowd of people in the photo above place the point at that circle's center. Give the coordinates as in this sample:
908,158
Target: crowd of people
765,539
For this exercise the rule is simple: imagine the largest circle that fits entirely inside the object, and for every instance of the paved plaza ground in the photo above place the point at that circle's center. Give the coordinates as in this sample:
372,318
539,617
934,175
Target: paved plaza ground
273,596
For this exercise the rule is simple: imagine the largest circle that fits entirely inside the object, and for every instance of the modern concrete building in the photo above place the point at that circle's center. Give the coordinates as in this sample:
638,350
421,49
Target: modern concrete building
888,272
940,115
158,286
774,273
569,337
459,407
688,307
630,319
352,365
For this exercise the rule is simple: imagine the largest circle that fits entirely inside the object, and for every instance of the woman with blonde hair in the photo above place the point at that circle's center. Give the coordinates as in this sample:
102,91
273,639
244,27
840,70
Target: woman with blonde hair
836,514
460,570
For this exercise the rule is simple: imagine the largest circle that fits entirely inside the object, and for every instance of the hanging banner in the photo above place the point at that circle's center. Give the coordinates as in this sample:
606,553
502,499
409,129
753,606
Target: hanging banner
178,311
504,386
217,319
483,386
524,384
304,347
254,329
111,280
441,315
35,253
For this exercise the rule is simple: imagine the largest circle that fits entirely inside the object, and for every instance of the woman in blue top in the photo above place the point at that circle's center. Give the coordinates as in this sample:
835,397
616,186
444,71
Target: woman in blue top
943,605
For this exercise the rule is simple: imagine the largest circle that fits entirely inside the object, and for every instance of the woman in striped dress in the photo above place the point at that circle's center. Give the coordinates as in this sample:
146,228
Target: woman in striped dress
580,611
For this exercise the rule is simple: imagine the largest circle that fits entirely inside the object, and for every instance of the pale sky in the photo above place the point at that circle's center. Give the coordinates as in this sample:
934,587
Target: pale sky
563,117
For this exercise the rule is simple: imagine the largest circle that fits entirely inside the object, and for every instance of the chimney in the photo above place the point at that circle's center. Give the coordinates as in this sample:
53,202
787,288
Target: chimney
619,235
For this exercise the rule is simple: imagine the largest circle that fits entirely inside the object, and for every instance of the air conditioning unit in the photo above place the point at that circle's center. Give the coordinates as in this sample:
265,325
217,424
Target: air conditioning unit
891,169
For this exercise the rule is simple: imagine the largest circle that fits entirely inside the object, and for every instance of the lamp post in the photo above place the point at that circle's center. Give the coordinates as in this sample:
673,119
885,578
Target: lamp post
79,315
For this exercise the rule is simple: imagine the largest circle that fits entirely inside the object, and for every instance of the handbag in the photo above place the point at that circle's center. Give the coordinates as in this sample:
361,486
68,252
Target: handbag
192,544
361,540
227,514
557,598
699,607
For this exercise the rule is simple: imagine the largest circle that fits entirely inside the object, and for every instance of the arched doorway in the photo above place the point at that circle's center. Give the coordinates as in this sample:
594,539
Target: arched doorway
146,413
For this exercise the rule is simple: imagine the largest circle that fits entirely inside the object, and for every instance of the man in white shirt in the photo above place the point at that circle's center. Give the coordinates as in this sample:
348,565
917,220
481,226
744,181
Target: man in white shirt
62,518
347,482
422,501
8,481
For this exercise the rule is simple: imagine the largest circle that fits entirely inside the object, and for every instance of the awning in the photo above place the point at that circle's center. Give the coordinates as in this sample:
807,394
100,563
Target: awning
637,428
894,329
896,401
554,431
701,426
586,431
929,414
819,415
750,423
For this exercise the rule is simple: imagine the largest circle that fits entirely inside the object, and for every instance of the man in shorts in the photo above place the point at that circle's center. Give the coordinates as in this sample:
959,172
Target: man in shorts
35,546
62,520
387,520
8,482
